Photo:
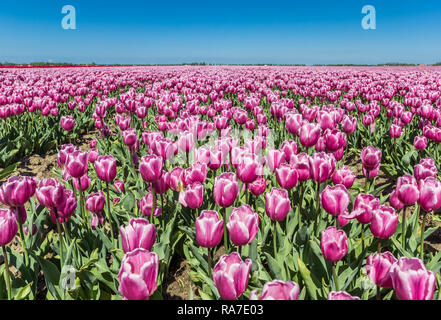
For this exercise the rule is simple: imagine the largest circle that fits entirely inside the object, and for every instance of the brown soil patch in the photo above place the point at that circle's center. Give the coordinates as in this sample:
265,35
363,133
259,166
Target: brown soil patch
177,284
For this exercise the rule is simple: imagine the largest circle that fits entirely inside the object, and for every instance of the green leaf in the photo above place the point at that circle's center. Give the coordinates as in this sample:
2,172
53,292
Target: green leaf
51,276
24,292
309,283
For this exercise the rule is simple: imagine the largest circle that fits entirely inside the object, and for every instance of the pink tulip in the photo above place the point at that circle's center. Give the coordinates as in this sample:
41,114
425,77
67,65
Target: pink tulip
50,193
119,186
129,137
378,267
93,155
192,196
65,150
423,170
15,192
334,244
8,226
344,176
286,176
322,166
151,168
277,204
230,275
67,123
301,164
335,200
175,179
370,159
67,209
258,186
77,164
395,202
138,234
277,290
226,189
395,131
364,206
384,222
197,172
420,142
407,190
430,194
289,148
146,204
209,229
138,275
309,134
105,167
341,295
82,183
186,141
248,168
275,158
411,280
95,202
243,225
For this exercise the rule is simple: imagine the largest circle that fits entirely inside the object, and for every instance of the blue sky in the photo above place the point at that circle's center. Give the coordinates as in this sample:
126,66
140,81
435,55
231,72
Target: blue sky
305,32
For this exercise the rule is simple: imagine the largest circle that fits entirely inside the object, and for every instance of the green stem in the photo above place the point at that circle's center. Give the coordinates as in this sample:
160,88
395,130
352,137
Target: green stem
423,223
23,241
317,208
362,237
403,229
83,213
275,239
7,273
153,203
334,274
209,261
109,215
225,230
60,237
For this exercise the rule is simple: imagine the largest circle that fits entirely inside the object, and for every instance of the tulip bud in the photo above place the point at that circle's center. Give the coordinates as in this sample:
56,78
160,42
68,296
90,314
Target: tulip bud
334,244
230,275
138,275
209,229
411,280
243,225
277,290
138,234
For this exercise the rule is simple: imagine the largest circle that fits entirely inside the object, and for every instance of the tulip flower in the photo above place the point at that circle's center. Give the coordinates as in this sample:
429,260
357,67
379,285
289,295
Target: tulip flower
119,186
378,267
411,280
277,204
335,200
344,176
209,229
322,166
275,158
138,275
77,164
286,176
151,168
8,230
309,134
302,165
420,142
248,168
230,275
341,295
226,189
334,244
15,192
138,234
105,167
258,186
370,159
192,196
277,290
384,222
67,123
50,193
243,225
95,202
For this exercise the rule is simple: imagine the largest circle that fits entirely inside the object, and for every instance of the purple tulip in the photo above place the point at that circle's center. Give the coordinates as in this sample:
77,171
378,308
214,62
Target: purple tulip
95,202
230,275
8,226
138,274
277,204
119,186
151,168
384,222
407,190
309,134
344,176
430,194
50,193
209,229
77,164
334,244
258,186
411,280
275,158
370,159
17,191
243,225
322,166
287,176
105,167
67,123
341,295
138,234
192,196
378,267
420,142
277,290
226,189
335,200
145,206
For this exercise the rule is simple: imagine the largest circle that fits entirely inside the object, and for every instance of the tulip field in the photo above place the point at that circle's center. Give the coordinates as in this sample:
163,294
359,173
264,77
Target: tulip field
269,182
